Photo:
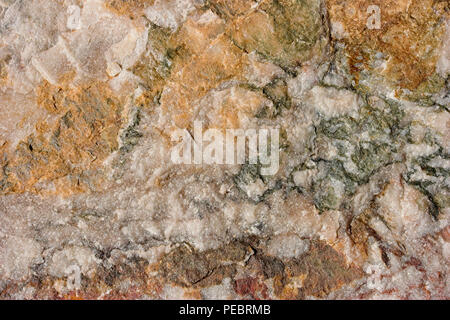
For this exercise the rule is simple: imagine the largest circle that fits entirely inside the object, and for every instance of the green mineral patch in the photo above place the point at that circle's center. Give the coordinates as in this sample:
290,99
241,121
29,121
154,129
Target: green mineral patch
156,66
430,175
277,92
364,144
130,136
249,175
423,94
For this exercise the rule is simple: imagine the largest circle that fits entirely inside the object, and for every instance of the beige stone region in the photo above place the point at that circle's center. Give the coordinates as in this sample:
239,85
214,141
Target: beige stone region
230,108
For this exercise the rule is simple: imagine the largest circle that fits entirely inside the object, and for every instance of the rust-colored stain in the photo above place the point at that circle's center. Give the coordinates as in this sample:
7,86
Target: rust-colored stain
409,28
64,154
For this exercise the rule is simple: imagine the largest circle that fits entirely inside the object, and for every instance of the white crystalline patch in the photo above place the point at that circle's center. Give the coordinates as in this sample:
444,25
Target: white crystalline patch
122,80
430,119
256,189
298,86
403,208
208,17
287,246
99,42
169,13
374,277
29,27
53,64
420,150
304,178
126,52
261,73
74,19
331,102
33,38
65,260
17,255
218,292
234,100
18,116
113,69
299,130
171,292
446,251
440,162
32,26
339,188
95,11
87,47
293,214
405,279
338,30
443,65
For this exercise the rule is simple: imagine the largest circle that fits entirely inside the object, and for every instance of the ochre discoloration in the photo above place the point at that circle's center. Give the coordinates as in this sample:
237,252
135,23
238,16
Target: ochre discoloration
3,71
64,154
217,53
185,267
410,37
322,270
232,8
316,273
221,62
131,8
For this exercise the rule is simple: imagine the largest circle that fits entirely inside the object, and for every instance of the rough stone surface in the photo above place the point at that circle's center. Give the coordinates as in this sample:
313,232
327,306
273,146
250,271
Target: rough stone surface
91,91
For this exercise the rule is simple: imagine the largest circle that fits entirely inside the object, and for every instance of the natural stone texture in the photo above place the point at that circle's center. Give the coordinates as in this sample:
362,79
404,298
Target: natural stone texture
92,90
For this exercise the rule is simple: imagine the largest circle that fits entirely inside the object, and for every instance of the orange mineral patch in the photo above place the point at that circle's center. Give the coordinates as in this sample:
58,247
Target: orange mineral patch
65,153
231,8
220,62
410,37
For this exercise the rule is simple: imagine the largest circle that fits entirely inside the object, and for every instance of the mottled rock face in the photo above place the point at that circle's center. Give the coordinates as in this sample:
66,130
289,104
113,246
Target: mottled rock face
402,54
288,33
94,92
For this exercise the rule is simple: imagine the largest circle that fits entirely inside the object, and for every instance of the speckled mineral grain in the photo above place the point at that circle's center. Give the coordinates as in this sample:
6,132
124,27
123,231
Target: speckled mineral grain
93,207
